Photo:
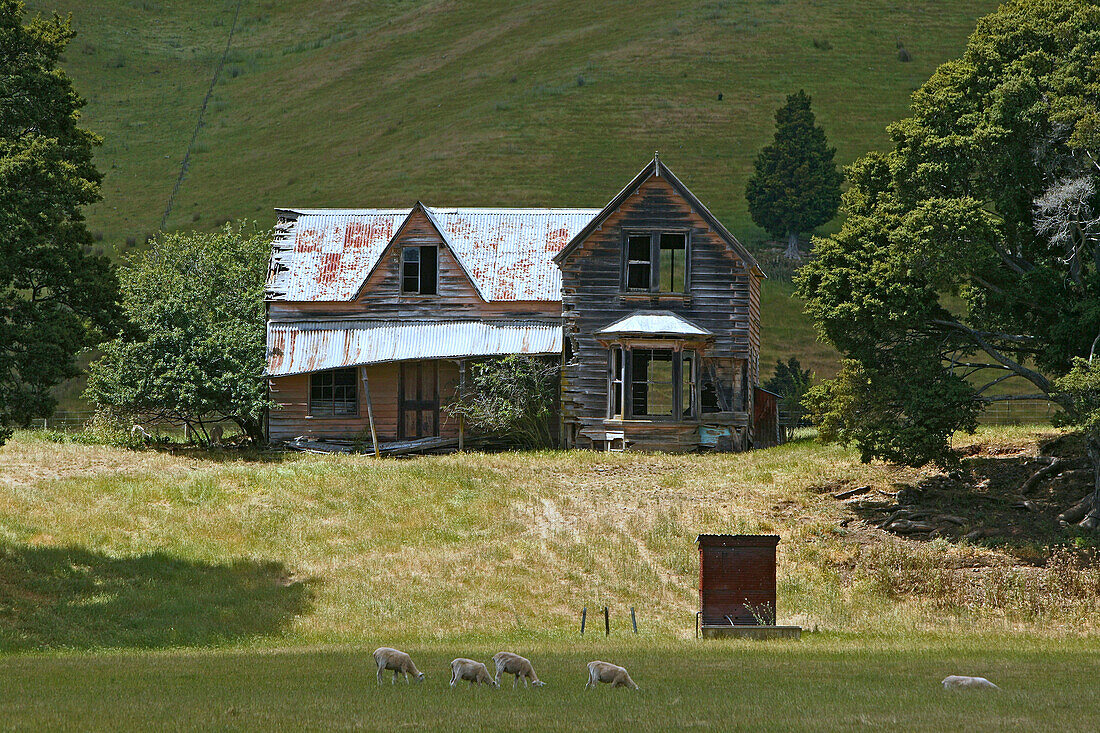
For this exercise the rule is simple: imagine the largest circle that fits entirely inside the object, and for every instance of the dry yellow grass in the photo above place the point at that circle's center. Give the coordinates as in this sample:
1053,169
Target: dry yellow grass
348,548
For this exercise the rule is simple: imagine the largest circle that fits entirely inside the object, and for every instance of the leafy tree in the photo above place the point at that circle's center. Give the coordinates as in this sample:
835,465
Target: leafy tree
193,351
54,299
511,398
795,187
988,194
791,382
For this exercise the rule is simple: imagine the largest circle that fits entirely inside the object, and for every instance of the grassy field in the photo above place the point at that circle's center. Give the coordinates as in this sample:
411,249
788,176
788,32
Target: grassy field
102,547
229,590
484,103
821,683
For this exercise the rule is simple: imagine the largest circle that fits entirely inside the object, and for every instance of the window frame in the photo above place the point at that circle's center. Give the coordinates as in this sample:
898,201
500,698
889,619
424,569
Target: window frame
654,234
621,382
419,262
331,400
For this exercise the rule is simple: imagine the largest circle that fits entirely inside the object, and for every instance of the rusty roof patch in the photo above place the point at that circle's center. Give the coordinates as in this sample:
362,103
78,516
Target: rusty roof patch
325,255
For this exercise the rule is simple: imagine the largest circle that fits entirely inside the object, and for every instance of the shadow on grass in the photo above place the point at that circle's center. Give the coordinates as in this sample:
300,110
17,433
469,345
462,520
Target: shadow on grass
72,598
985,502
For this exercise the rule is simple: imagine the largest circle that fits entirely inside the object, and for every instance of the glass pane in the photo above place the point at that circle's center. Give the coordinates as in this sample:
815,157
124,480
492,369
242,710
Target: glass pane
687,391
639,248
412,254
638,276
615,381
673,262
651,390
428,257
639,388
660,383
410,283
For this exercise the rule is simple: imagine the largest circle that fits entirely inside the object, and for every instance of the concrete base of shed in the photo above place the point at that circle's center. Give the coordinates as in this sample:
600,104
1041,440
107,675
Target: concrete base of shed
752,631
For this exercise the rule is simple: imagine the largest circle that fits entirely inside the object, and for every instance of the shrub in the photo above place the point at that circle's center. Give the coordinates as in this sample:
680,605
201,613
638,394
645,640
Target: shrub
512,399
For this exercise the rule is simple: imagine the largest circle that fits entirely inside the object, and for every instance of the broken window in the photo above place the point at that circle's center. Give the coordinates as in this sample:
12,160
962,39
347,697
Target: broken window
672,256
709,399
333,393
653,383
656,262
419,270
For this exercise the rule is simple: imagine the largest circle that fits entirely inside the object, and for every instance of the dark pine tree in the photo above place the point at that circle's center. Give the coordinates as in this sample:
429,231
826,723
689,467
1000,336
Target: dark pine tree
796,186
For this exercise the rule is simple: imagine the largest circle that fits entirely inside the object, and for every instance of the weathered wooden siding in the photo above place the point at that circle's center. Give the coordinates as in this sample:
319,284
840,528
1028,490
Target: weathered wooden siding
291,418
722,296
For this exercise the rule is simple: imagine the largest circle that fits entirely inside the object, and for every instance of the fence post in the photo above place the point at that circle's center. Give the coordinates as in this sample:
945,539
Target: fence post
584,615
633,620
606,622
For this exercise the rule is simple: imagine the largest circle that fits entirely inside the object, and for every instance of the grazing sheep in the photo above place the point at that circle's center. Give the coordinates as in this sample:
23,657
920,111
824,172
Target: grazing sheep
400,662
509,663
468,669
962,682
216,434
611,673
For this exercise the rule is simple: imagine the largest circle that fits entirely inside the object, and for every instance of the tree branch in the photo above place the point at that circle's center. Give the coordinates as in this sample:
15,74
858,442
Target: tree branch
979,338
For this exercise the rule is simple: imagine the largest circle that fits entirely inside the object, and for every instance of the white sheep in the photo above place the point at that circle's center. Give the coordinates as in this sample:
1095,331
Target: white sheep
962,682
509,663
400,662
468,669
613,674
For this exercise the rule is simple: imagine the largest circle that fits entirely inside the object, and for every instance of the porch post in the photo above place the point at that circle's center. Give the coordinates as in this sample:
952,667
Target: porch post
370,412
461,394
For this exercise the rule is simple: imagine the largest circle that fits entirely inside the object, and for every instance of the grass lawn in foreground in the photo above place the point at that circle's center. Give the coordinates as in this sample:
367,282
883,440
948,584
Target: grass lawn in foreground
821,683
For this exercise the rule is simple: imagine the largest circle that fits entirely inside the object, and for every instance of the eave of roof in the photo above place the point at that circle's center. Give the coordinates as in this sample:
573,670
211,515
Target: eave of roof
300,347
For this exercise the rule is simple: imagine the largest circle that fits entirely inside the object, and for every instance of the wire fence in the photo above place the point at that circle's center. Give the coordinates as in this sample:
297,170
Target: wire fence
1018,412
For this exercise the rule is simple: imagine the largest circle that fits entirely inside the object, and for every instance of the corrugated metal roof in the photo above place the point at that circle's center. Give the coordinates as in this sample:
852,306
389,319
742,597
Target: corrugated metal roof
296,347
326,254
653,323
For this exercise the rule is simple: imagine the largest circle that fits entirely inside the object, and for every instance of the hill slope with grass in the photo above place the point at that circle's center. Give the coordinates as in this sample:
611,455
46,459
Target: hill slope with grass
482,103
107,547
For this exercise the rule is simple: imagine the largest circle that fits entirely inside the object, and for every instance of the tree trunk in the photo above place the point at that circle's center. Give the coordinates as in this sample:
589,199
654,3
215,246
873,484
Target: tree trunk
1092,520
253,429
793,252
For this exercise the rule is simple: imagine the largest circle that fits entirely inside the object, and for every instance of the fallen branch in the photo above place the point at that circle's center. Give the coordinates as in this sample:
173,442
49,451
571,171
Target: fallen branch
852,492
1051,468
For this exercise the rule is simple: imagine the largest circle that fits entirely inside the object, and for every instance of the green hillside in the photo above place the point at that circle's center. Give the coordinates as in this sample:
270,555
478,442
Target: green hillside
482,103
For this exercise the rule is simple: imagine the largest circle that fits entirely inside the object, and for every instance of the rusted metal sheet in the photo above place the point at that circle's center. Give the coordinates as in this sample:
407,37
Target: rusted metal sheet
324,255
509,253
737,579
298,347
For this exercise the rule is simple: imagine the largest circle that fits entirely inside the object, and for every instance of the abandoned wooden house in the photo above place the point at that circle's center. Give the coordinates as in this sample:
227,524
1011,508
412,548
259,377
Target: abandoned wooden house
650,303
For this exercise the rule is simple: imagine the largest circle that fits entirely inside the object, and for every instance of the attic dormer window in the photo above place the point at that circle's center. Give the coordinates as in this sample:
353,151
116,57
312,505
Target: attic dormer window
419,270
656,262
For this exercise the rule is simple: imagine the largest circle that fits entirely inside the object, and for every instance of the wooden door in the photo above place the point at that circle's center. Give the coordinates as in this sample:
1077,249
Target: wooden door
418,400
